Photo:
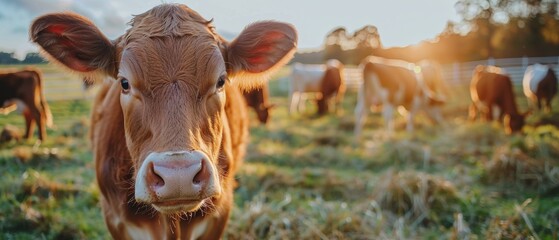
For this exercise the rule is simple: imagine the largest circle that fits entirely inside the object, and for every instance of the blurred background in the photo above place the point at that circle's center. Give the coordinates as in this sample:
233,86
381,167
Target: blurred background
305,176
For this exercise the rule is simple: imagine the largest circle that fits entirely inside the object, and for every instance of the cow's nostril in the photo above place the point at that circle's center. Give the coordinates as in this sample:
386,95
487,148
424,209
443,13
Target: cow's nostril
202,175
153,179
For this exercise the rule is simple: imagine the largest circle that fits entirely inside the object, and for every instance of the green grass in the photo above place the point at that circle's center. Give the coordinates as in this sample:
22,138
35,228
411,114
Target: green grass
304,178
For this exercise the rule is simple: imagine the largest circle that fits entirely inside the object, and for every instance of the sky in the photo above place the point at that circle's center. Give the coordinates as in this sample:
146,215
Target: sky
399,22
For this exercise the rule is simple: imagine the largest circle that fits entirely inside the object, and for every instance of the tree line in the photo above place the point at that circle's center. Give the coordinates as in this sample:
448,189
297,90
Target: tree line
30,58
488,29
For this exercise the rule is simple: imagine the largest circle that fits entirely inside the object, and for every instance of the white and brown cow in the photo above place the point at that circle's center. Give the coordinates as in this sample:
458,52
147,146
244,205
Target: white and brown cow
540,85
169,133
323,81
394,83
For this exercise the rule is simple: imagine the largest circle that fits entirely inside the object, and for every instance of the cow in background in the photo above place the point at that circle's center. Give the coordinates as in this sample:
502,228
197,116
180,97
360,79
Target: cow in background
325,81
170,131
399,84
540,85
257,99
492,96
24,90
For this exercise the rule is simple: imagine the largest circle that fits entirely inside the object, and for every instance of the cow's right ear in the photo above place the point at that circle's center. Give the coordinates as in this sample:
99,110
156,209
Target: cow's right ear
75,42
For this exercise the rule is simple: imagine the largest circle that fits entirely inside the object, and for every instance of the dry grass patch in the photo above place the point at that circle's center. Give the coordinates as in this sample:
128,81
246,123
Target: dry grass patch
530,160
78,129
10,133
517,226
402,153
417,196
36,184
23,154
514,166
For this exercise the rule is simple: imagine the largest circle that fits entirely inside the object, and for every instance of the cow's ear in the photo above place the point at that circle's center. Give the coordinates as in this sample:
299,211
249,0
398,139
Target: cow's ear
75,42
259,50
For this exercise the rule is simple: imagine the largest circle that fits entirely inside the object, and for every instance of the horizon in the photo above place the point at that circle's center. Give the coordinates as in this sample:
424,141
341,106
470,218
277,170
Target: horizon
400,23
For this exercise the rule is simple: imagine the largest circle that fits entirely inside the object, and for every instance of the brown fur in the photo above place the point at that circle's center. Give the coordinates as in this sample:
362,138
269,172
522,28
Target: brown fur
333,85
257,99
27,86
547,89
173,61
394,78
489,89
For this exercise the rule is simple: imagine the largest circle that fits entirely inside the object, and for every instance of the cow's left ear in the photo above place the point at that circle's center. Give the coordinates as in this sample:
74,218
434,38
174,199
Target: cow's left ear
75,42
259,50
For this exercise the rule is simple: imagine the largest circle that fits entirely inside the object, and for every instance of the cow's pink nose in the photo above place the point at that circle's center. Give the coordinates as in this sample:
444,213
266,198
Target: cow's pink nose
177,179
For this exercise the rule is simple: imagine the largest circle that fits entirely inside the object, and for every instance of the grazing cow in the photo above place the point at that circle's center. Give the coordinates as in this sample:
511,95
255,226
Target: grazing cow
540,85
326,81
394,83
493,97
24,90
257,99
169,133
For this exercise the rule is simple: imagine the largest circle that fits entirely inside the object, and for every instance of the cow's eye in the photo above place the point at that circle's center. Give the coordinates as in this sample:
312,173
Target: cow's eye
125,85
221,82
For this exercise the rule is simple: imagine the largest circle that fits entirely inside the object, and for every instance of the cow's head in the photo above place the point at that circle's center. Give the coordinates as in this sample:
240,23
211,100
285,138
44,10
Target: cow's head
514,122
263,112
172,69
265,115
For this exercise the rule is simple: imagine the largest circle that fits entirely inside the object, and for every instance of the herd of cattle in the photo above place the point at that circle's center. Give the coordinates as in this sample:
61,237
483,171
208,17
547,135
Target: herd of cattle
390,84
168,141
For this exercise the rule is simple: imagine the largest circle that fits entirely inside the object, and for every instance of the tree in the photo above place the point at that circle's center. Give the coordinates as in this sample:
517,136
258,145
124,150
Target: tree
509,27
367,36
33,58
8,58
335,43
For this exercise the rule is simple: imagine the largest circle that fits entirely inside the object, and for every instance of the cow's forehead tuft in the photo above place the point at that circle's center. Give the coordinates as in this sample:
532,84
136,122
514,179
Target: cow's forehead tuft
168,20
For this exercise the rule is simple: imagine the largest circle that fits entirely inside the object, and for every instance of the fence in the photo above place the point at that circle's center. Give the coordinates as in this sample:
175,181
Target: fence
61,86
461,73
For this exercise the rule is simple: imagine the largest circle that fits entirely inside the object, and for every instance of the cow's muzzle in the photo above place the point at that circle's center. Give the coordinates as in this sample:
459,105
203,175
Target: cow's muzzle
176,181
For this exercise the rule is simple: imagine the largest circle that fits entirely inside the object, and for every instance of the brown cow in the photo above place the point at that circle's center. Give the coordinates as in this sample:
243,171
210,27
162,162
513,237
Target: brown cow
491,87
326,81
24,89
170,132
257,99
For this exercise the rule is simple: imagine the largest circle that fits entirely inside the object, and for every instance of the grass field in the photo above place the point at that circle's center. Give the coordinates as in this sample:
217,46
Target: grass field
304,178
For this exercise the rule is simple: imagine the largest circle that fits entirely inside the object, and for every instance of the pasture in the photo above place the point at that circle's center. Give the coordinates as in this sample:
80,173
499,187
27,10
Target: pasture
304,178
